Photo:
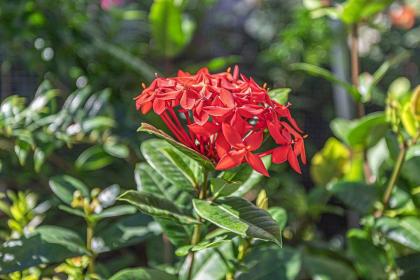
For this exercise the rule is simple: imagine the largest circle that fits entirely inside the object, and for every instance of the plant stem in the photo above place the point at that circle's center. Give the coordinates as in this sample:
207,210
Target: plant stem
197,227
355,66
242,251
395,173
89,239
355,72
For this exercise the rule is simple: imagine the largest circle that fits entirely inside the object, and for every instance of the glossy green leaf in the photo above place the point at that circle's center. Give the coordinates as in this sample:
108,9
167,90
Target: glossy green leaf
355,11
150,181
130,230
115,211
405,231
370,260
221,187
367,131
157,206
49,244
143,274
154,151
241,217
271,263
341,128
208,264
279,215
170,30
64,186
280,95
205,244
204,161
93,158
323,73
356,195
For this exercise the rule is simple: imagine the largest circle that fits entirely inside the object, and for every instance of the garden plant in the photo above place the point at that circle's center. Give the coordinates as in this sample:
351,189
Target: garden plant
139,149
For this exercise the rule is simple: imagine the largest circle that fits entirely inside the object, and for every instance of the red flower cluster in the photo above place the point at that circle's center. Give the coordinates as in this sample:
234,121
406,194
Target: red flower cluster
224,116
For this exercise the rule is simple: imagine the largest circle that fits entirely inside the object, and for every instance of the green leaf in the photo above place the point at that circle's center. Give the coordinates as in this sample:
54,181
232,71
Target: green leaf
279,215
39,159
176,158
280,95
271,263
355,11
331,162
221,187
72,211
204,161
405,231
49,244
64,186
241,217
155,155
170,30
157,206
208,264
327,75
93,158
116,149
150,181
126,231
370,260
143,274
367,131
356,195
341,128
97,123
205,244
22,149
323,267
115,211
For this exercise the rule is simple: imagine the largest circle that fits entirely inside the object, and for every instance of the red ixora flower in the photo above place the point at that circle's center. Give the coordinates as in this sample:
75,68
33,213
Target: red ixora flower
225,116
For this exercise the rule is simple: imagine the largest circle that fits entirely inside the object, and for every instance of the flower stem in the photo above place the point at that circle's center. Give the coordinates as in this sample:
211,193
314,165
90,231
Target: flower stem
395,173
197,227
89,240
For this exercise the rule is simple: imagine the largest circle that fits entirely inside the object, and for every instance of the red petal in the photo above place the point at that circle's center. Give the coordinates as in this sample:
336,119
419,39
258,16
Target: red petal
300,150
222,146
230,160
254,140
232,136
256,163
158,106
274,129
227,98
207,129
280,154
293,161
216,111
186,102
202,118
146,107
